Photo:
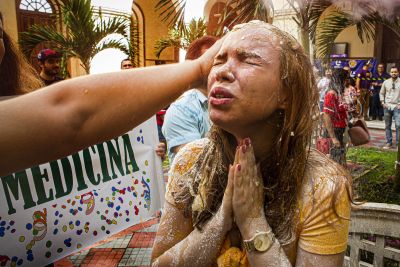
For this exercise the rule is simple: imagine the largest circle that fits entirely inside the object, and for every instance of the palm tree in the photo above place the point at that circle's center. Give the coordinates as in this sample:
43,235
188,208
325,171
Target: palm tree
236,11
181,39
336,21
307,14
84,33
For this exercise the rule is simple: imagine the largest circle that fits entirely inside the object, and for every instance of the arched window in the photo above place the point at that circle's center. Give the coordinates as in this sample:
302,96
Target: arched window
36,5
37,12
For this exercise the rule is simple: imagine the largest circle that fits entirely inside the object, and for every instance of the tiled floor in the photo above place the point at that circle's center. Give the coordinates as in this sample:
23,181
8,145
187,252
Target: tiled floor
133,246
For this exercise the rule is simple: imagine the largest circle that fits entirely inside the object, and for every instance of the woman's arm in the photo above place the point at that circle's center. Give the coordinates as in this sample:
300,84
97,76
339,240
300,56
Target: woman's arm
178,244
68,116
307,259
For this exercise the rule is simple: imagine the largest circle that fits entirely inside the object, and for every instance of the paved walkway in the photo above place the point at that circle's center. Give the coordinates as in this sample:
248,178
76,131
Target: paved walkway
133,246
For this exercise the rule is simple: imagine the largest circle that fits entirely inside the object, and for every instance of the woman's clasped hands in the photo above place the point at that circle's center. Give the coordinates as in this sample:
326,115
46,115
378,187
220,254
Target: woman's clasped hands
243,200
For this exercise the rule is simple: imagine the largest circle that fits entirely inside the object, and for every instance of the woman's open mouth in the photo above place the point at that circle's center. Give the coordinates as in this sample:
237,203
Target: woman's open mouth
220,96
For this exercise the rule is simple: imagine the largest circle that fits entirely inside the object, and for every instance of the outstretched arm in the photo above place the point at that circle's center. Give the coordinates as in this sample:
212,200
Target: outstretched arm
68,116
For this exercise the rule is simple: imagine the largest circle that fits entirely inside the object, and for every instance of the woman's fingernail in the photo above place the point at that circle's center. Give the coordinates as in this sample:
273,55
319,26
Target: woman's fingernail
239,167
244,148
247,141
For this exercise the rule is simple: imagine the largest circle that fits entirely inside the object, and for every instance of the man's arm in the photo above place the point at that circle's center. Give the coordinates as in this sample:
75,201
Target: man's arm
358,83
382,94
68,116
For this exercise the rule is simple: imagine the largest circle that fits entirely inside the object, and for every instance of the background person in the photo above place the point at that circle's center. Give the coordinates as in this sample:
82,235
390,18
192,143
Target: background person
390,99
363,85
377,80
187,118
49,62
126,64
323,87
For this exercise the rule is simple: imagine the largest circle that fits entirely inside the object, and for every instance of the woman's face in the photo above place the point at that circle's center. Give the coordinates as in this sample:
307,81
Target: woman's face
244,87
2,50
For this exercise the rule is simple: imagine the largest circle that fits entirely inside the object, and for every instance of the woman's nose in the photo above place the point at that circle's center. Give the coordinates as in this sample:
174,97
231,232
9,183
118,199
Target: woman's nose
225,74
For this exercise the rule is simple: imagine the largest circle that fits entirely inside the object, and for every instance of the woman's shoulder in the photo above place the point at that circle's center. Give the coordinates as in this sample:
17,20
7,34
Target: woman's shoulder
324,206
323,175
188,155
325,182
180,179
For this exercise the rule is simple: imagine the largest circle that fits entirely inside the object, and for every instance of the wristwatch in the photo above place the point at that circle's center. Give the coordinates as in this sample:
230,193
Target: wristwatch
260,242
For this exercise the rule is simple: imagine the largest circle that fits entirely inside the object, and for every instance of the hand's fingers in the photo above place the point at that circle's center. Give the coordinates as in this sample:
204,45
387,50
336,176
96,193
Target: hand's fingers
229,186
236,161
238,177
250,153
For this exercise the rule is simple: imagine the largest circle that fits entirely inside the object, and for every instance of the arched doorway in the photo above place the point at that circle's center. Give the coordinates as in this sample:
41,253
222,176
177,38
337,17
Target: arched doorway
214,15
137,34
37,12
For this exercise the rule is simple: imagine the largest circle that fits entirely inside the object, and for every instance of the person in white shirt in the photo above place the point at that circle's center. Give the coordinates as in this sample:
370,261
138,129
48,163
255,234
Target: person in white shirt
390,99
323,87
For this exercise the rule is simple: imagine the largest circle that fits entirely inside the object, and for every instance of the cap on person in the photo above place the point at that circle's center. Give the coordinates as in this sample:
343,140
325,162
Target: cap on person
48,53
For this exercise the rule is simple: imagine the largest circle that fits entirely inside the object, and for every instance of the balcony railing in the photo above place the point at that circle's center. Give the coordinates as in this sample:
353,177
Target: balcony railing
374,238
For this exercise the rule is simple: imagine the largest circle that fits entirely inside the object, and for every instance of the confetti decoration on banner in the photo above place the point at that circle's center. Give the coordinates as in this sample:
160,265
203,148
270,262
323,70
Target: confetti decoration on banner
88,199
146,194
140,138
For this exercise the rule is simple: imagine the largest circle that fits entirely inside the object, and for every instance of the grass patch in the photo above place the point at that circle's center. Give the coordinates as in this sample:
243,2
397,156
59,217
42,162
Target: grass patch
373,177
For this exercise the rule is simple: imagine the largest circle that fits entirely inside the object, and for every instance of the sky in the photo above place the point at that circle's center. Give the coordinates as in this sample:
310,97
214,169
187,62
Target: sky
109,59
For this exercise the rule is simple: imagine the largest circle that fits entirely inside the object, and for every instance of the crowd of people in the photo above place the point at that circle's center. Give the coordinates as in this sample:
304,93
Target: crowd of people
366,96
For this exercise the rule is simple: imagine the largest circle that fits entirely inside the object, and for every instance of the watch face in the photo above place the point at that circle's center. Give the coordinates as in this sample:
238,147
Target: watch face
262,242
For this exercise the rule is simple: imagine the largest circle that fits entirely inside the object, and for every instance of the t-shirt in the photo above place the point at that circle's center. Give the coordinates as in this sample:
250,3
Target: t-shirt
56,79
336,109
318,230
379,79
366,78
186,120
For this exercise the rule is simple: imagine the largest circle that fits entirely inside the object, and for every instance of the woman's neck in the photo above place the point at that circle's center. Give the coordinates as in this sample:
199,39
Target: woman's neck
263,139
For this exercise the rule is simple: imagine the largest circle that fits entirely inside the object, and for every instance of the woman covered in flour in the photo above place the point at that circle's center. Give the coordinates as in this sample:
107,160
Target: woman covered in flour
253,193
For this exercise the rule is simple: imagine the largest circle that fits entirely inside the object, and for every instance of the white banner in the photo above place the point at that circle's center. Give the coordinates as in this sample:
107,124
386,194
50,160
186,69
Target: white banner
52,210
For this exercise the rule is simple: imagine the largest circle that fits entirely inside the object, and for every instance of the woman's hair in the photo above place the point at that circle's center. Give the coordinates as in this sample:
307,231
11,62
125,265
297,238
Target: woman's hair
17,76
194,49
284,169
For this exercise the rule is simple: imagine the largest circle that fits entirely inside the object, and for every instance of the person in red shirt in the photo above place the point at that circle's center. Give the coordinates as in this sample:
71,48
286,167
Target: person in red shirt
335,122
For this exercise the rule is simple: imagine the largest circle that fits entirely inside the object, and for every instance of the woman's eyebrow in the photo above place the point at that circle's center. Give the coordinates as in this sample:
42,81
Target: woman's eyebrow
250,54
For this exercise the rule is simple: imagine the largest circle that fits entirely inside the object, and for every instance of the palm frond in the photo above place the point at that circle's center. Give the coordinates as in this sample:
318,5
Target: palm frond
181,38
117,44
316,9
37,35
240,11
119,25
78,15
328,29
172,40
195,30
172,12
